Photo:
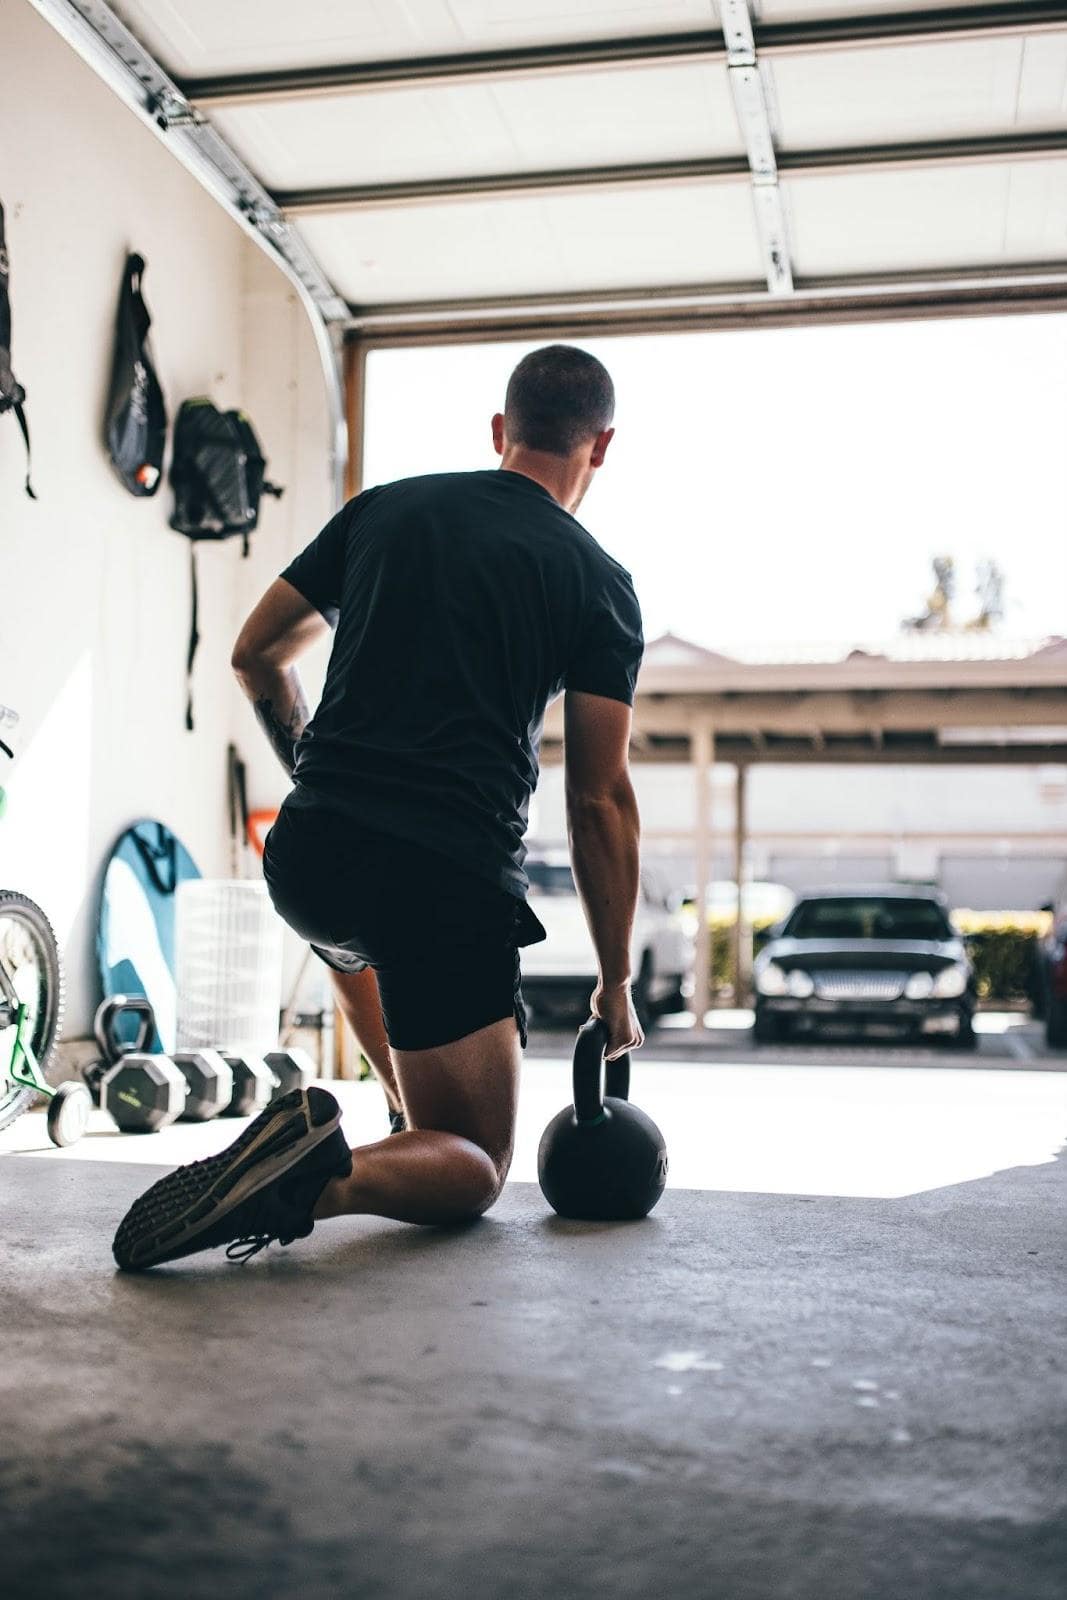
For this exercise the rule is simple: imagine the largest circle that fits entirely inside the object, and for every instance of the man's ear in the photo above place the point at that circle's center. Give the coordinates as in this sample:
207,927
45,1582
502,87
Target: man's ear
600,447
498,433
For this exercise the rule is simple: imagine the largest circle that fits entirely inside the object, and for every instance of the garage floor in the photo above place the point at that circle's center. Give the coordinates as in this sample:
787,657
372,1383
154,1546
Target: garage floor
830,1365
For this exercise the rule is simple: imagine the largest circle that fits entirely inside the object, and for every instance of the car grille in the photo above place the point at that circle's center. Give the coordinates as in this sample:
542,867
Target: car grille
859,985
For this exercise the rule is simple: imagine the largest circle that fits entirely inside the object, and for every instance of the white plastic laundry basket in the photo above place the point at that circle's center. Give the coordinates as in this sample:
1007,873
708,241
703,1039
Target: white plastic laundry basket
229,939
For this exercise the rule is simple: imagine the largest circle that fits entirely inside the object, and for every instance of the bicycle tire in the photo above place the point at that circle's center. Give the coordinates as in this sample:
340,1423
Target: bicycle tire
18,908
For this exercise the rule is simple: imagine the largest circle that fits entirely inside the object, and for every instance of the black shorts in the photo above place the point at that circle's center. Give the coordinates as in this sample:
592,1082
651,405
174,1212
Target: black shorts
443,942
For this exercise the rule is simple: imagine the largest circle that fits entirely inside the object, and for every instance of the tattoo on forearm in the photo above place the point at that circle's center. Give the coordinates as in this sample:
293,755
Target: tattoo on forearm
283,732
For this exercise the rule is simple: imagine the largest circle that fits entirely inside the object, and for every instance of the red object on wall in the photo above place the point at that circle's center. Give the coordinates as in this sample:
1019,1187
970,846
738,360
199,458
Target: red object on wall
259,825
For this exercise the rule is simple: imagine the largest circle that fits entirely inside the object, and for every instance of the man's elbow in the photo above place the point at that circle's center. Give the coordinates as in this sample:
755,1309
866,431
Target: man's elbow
244,657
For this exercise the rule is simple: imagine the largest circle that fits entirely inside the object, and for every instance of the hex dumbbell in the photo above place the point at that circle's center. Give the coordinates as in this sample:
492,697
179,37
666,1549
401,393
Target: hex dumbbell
293,1069
143,1092
209,1083
253,1083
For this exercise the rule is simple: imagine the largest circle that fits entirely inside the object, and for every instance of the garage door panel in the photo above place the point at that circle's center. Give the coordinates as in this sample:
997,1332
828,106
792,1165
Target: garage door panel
925,91
512,125
198,38
988,214
573,241
1043,81
879,220
775,11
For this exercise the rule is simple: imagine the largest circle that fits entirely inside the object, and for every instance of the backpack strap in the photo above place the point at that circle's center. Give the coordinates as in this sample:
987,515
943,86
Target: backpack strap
12,394
160,858
194,640
20,418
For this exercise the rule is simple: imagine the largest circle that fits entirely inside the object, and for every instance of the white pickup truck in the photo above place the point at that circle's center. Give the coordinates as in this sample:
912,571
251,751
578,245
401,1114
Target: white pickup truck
559,975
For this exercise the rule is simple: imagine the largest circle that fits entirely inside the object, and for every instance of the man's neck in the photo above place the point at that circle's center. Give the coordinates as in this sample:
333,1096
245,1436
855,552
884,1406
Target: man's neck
557,474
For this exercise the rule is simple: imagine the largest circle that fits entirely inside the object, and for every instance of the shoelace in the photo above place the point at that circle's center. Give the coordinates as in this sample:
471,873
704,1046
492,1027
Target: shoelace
244,1249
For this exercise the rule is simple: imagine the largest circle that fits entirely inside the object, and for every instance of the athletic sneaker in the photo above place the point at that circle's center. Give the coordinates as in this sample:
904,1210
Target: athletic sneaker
262,1187
397,1122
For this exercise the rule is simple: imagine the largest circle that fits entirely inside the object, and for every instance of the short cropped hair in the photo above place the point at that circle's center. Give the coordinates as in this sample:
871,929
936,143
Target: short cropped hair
557,398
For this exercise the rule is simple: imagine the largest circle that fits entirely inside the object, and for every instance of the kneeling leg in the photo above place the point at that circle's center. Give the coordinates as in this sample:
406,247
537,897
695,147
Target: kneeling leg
460,1100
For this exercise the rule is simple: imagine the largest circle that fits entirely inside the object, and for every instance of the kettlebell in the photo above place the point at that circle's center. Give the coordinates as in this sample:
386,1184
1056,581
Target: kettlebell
112,1035
602,1159
114,1041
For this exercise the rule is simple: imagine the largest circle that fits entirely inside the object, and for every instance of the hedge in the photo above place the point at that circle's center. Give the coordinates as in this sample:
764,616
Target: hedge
1004,948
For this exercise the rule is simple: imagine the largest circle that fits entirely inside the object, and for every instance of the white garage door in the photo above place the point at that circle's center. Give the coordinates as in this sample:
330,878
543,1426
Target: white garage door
1001,883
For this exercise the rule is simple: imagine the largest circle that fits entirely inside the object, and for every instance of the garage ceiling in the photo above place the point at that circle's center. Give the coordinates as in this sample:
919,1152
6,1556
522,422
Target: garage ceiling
473,166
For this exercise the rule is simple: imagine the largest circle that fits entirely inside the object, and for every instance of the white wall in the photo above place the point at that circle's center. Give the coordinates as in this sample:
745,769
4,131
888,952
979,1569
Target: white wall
95,617
283,377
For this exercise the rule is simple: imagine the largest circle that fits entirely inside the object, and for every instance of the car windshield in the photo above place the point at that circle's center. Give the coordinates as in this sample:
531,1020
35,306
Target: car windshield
547,877
876,917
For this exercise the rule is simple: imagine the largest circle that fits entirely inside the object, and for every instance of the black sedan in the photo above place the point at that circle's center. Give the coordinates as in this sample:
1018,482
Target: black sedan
866,960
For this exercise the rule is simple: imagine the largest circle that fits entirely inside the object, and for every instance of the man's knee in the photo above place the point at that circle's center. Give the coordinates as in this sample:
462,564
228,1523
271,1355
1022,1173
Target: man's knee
489,1185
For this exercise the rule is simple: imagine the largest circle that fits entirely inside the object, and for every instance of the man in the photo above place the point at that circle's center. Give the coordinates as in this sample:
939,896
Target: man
462,604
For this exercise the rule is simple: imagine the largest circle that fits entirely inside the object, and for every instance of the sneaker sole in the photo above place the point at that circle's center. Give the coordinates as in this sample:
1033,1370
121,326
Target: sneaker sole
171,1214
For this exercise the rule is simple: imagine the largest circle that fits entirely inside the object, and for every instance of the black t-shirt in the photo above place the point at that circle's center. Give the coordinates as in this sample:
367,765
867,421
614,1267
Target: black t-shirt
462,603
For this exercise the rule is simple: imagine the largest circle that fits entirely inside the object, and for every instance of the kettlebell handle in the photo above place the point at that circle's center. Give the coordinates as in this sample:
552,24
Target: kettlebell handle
105,1025
589,1067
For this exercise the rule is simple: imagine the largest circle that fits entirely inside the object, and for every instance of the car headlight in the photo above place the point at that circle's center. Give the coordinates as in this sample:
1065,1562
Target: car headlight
920,986
951,981
771,979
800,984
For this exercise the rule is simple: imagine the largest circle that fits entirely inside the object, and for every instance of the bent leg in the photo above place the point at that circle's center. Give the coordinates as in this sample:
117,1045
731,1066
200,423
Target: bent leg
460,1100
361,1006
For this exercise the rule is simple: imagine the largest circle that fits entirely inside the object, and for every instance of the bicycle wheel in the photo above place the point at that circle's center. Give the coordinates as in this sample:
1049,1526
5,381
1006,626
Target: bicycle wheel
30,959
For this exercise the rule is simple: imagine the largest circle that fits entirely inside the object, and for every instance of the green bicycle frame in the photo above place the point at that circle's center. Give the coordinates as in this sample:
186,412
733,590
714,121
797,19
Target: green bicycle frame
22,1067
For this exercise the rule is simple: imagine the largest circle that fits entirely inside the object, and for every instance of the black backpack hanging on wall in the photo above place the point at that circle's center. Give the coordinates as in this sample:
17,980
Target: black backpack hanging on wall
135,426
12,394
218,473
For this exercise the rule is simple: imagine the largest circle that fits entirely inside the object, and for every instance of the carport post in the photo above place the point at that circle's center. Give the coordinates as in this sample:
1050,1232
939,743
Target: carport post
702,747
742,951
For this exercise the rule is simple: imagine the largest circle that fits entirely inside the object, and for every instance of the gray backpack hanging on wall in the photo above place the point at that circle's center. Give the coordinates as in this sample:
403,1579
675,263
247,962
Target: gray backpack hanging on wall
135,426
12,394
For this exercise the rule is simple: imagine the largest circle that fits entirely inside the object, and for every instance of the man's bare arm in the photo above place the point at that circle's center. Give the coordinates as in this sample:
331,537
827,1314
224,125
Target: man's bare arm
279,630
604,830
282,712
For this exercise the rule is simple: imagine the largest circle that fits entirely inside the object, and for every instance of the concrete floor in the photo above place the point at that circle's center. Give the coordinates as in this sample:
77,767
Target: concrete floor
1003,1038
852,1390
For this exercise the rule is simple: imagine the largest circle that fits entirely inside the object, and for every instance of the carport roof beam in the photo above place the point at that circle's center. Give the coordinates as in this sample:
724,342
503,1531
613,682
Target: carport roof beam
864,31
861,750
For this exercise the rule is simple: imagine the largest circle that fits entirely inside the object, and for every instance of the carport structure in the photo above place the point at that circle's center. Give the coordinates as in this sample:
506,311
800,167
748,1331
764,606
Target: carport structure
945,700
449,170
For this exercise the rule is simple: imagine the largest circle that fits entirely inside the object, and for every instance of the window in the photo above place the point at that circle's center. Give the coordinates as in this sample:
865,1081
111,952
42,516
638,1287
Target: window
876,917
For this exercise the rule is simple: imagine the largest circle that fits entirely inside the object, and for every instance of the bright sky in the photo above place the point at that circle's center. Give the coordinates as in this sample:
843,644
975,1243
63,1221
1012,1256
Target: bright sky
792,485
